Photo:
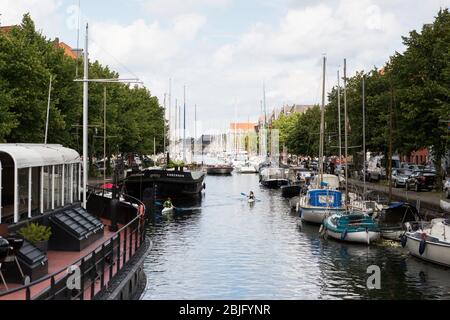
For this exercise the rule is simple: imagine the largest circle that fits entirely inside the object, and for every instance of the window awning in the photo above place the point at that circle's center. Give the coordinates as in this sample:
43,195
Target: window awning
39,155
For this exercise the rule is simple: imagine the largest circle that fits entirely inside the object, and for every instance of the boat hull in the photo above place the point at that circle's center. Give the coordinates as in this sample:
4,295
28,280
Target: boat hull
317,215
274,184
167,210
219,171
438,253
394,235
164,184
290,191
365,237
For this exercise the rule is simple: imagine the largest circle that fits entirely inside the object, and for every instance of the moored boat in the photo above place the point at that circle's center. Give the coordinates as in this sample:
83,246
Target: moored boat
394,220
272,177
77,231
431,242
164,183
318,204
351,227
219,169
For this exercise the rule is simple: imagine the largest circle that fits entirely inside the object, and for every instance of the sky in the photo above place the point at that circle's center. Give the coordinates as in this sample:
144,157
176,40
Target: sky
223,51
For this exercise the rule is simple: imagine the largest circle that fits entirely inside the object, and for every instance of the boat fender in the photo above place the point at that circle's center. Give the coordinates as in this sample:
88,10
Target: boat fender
321,229
403,240
367,236
422,246
204,186
344,234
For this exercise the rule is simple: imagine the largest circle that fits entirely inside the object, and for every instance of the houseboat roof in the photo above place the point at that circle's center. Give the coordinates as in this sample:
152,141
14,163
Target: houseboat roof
38,155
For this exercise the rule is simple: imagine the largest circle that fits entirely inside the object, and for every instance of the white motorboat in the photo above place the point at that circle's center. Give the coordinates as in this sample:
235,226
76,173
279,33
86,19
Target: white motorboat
430,243
246,168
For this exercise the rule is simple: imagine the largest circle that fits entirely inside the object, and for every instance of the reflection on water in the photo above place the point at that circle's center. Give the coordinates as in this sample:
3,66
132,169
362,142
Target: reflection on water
232,250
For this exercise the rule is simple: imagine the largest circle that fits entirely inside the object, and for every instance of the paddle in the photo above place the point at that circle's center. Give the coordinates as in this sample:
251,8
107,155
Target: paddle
243,194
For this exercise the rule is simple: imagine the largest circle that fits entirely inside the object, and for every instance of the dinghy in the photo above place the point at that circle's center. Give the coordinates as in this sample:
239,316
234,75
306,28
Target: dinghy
431,242
351,227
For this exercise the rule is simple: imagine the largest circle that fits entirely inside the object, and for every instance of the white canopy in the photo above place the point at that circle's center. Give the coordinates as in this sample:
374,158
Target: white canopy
39,155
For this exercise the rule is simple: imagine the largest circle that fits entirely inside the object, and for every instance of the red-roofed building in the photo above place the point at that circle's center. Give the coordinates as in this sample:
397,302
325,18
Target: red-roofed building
243,127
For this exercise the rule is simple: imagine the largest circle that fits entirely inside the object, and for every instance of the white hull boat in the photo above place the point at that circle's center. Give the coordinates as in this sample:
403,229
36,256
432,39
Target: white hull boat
167,210
431,244
357,237
317,215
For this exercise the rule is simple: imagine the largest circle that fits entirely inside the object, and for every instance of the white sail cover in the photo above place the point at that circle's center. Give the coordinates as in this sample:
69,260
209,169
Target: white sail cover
39,155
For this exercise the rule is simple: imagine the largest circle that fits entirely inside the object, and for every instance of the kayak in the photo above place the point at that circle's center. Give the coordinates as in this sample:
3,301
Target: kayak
251,200
167,210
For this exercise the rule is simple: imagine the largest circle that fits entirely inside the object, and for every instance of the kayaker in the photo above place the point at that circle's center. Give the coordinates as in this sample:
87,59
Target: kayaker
168,203
251,195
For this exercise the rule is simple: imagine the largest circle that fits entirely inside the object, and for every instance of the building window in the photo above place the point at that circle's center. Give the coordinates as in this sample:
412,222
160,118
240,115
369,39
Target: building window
67,183
58,185
23,178
35,190
48,188
75,182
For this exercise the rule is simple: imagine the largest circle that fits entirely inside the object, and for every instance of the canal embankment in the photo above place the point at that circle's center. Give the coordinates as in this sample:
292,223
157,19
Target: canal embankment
427,202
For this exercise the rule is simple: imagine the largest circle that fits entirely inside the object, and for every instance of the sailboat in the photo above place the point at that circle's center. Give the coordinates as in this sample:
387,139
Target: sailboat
351,225
320,201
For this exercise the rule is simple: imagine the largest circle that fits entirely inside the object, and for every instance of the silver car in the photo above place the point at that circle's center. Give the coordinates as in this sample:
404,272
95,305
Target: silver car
399,177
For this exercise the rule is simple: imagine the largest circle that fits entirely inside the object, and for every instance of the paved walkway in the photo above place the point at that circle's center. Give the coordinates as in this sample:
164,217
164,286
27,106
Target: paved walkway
429,199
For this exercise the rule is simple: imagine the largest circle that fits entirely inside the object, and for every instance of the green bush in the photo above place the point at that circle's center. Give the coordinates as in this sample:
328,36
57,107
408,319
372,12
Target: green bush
35,233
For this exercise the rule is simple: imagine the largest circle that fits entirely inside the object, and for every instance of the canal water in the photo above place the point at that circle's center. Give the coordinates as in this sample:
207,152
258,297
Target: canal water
223,248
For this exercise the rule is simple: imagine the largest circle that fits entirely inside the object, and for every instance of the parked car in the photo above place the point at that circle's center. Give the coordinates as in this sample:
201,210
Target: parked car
421,180
413,166
447,188
399,177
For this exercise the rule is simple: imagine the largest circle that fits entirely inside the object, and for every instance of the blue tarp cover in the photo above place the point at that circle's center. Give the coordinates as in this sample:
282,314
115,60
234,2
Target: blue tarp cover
325,198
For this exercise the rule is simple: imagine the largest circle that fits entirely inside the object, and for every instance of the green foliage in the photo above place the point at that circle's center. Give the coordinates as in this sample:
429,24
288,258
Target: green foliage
418,81
35,233
172,164
28,59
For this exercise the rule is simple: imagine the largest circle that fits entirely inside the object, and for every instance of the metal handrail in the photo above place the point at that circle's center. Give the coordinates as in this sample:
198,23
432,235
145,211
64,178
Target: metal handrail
52,276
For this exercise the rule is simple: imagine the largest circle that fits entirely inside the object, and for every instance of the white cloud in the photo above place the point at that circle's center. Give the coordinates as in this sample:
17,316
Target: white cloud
176,7
170,39
43,13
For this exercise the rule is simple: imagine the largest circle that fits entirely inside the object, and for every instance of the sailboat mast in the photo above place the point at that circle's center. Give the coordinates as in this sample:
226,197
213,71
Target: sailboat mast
339,117
170,114
364,130
389,160
48,108
345,132
164,145
184,125
85,116
322,123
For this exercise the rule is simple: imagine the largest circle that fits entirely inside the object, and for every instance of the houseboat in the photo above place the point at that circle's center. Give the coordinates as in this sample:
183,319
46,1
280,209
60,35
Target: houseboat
54,247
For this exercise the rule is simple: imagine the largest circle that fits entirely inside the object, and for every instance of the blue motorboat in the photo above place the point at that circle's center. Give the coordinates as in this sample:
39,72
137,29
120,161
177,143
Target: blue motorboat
318,204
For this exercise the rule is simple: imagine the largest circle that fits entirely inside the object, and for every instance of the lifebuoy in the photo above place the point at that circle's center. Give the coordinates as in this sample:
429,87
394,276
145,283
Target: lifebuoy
422,246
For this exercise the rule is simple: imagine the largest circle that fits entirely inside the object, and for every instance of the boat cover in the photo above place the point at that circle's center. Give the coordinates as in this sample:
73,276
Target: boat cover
325,198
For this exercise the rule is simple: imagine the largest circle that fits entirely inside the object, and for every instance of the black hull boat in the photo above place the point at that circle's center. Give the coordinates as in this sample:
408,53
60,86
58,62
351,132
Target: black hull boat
219,170
290,191
163,183
273,178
